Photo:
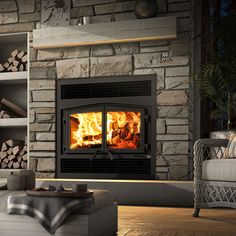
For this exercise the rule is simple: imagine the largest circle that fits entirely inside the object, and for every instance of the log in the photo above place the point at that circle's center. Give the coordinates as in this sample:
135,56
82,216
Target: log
11,157
10,163
6,65
9,151
20,54
24,58
23,165
6,160
14,142
3,155
16,165
15,63
16,149
10,59
3,165
4,147
2,68
25,157
22,152
14,108
19,159
15,52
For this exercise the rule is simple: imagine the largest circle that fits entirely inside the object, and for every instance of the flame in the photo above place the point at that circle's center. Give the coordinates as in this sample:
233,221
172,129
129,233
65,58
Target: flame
123,129
86,130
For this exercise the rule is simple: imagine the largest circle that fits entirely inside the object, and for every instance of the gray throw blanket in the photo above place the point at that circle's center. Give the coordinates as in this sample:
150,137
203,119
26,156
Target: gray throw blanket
50,212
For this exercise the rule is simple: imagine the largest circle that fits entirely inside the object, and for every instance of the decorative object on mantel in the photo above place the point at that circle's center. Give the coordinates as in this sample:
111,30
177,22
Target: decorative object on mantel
55,13
145,8
159,28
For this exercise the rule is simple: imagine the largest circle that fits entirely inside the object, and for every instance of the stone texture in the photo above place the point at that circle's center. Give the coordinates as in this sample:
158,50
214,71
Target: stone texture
161,6
177,82
115,7
174,97
180,129
160,161
102,50
42,84
179,49
105,66
173,111
153,43
172,137
33,162
158,148
160,126
178,173
43,154
175,121
183,24
33,54
45,175
6,6
46,164
179,6
125,16
46,110
154,49
42,64
49,54
162,176
101,19
78,3
126,48
175,147
32,116
17,27
176,160
155,60
29,17
44,96
177,71
74,12
42,146
42,104
160,72
45,137
45,118
8,18
85,11
73,68
32,137
42,73
75,52
39,127
26,6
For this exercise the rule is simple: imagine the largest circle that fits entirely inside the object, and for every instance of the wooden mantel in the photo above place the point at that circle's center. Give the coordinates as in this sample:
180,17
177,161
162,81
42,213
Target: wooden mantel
159,28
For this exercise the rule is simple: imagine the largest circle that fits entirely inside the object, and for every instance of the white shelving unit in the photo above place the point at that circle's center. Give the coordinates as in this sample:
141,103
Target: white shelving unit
14,87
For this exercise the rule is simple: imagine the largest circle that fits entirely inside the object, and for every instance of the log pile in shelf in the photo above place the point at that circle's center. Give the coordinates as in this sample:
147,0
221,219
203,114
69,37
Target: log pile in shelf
13,154
16,62
10,110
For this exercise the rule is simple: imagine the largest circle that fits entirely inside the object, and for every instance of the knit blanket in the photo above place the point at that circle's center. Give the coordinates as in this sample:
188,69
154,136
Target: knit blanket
50,212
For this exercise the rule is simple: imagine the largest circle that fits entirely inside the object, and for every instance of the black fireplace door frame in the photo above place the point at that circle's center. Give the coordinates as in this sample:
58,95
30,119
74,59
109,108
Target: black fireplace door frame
103,108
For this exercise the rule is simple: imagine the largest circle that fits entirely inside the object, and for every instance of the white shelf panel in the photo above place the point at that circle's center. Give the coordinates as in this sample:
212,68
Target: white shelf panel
13,77
13,122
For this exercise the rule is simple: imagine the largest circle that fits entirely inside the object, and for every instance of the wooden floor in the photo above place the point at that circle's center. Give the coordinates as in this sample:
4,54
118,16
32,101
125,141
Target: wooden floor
160,221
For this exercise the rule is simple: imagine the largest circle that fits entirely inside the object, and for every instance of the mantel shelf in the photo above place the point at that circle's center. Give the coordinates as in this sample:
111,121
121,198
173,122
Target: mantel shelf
159,28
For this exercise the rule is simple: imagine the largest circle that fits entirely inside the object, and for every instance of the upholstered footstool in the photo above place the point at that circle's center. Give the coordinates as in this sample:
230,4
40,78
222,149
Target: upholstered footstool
98,219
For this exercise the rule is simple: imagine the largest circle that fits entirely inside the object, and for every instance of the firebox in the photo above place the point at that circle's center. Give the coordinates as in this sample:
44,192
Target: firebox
106,127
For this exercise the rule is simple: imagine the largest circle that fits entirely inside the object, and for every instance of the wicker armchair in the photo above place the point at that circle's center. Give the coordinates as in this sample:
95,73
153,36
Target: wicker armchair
210,192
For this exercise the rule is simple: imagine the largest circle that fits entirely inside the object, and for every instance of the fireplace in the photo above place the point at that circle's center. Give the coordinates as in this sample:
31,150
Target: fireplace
106,127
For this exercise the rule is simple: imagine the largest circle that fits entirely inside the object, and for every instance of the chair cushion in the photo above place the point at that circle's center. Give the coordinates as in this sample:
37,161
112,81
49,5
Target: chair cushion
219,169
230,151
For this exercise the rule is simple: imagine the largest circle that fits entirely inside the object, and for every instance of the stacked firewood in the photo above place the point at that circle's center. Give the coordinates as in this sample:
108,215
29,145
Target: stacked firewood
16,62
13,154
10,110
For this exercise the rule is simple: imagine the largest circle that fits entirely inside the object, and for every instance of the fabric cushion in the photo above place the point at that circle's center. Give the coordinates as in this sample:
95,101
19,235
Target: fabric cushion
230,151
219,169
102,198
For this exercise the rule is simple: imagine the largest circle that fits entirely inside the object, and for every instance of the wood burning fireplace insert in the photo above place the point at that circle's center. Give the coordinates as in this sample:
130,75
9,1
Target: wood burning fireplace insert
106,127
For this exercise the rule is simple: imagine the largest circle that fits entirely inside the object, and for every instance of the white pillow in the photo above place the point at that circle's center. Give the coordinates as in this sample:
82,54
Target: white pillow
230,151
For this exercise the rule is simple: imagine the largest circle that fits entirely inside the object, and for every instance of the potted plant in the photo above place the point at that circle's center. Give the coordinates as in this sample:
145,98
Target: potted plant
217,78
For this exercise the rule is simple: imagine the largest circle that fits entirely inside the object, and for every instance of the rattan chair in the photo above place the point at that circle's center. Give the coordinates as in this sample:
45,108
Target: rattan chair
212,192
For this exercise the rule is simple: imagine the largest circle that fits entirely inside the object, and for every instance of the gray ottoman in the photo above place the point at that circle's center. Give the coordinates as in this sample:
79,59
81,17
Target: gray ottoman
100,219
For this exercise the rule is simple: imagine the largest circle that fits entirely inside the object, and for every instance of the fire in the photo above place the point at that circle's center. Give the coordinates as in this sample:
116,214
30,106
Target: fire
123,129
86,130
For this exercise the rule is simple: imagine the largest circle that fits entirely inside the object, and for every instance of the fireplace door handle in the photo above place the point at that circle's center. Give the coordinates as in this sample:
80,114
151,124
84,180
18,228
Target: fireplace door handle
101,152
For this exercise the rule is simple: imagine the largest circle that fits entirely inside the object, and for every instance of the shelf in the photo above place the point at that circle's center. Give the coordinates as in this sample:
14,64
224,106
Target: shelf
13,77
159,28
13,122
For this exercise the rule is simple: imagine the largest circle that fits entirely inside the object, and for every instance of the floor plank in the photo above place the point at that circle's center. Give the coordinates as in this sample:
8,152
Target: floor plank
163,221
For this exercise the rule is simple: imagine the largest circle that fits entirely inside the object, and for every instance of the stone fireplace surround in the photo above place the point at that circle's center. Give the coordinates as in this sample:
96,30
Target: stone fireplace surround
169,60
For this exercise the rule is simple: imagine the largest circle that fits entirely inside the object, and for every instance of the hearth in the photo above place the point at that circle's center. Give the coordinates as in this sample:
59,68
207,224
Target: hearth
106,127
